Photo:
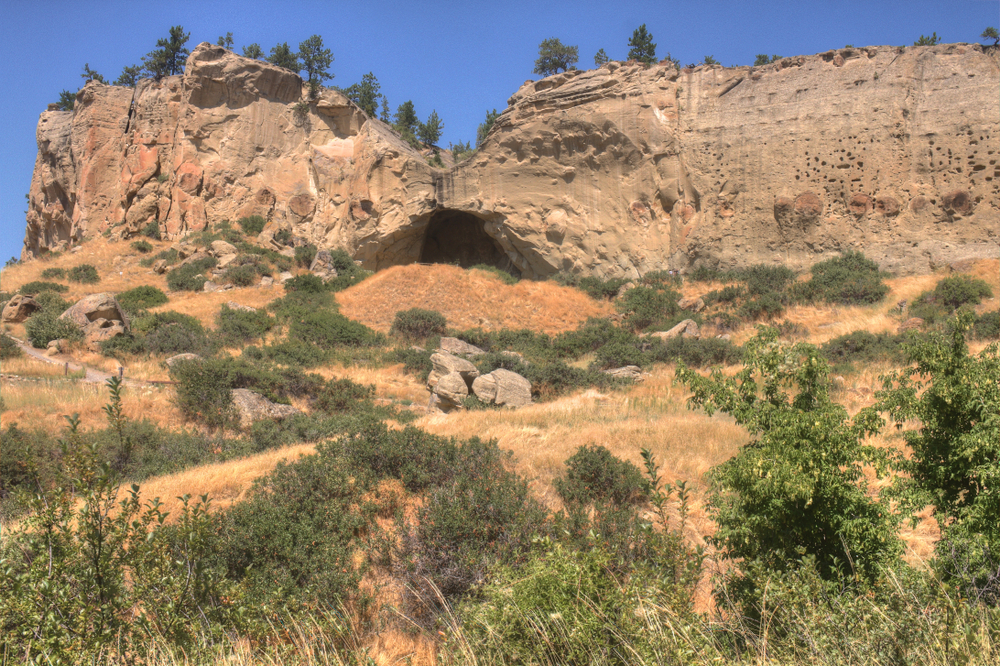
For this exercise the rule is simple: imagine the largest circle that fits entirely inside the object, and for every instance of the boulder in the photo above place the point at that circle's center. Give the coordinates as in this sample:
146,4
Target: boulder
184,250
687,329
266,281
19,308
632,372
100,330
178,358
503,387
209,287
160,267
94,307
225,260
252,407
193,257
452,388
911,324
233,305
446,364
221,248
284,277
322,265
693,304
459,347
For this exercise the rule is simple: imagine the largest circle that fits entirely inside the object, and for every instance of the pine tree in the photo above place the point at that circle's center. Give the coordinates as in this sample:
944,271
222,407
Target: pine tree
315,60
168,59
365,94
405,119
90,75
553,55
226,42
385,111
484,128
991,33
600,57
282,56
430,131
253,51
129,76
641,46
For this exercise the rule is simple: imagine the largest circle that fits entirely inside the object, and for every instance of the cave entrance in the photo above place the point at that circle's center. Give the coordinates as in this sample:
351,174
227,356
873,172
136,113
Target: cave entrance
454,237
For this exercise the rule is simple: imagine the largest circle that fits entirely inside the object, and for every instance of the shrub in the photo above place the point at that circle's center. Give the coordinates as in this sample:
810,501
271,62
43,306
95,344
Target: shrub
54,273
142,247
293,352
330,329
238,327
696,352
305,254
283,237
414,362
850,279
45,326
297,304
253,225
727,294
988,326
37,287
152,230
242,275
84,273
306,282
341,395
865,348
416,323
594,475
644,307
763,279
767,305
9,348
204,391
141,298
191,277
618,353
348,272
170,333
958,290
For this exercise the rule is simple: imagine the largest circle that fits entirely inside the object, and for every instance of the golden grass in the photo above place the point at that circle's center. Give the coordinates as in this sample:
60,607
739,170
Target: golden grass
204,306
29,366
225,483
45,404
468,299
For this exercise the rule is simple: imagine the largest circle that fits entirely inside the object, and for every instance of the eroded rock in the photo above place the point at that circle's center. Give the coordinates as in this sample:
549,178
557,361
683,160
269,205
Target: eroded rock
503,387
19,308
458,347
252,407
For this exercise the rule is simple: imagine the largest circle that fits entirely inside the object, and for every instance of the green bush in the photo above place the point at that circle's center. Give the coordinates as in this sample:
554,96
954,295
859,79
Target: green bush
417,324
330,329
9,348
987,327
305,254
84,273
253,225
191,277
307,282
414,361
762,279
594,475
242,275
595,287
765,306
204,391
348,272
864,348
141,298
142,247
238,327
54,274
958,290
37,287
45,326
152,230
696,352
297,304
850,279
293,352
283,237
618,353
170,333
342,395
644,307
728,294
505,277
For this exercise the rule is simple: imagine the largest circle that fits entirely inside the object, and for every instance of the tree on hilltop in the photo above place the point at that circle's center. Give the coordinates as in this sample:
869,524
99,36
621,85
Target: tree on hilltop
366,94
226,42
90,75
130,76
67,100
253,51
928,41
484,128
553,55
641,46
405,119
169,56
763,59
600,57
282,56
315,60
430,131
991,33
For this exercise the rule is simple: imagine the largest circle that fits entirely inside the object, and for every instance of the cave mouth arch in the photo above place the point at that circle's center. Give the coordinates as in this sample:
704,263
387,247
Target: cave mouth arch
459,238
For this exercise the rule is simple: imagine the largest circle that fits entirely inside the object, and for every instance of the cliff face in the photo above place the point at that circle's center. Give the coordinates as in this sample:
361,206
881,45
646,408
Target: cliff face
614,171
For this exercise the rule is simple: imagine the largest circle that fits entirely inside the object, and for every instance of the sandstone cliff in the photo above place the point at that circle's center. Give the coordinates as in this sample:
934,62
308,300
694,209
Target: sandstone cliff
614,171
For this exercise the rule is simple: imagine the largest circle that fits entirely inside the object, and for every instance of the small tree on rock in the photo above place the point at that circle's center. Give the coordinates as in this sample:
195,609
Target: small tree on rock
129,76
991,33
553,55
282,56
315,60
365,94
66,101
253,51
641,46
226,42
484,128
924,40
90,75
168,59
405,119
600,57
430,131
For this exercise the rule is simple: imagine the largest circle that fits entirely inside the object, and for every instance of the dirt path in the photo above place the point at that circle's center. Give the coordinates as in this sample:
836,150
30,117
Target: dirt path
91,375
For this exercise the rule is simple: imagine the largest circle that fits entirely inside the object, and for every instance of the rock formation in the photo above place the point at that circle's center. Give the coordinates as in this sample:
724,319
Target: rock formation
615,171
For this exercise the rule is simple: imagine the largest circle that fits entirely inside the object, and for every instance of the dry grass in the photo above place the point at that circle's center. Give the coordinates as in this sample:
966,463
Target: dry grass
45,404
391,383
204,306
28,366
467,299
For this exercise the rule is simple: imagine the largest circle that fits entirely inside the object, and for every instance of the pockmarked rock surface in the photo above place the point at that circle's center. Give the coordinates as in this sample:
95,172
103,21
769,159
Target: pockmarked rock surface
446,364
503,387
252,407
615,171
19,308
93,308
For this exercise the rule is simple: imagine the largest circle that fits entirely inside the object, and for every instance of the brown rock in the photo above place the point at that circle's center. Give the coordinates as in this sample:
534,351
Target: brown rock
221,248
687,329
160,267
860,205
459,347
887,205
632,372
93,308
446,364
233,305
178,358
19,308
452,388
252,407
99,330
910,324
692,304
958,202
503,387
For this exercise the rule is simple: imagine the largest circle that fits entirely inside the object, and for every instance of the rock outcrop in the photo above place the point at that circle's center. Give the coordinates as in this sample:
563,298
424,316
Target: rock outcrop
19,308
252,407
503,387
615,171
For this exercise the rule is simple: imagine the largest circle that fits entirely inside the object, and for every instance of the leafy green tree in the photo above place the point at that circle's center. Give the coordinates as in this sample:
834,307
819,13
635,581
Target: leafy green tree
253,51
485,126
460,150
928,41
385,117
799,487
405,120
430,131
365,94
315,60
129,76
709,60
66,101
600,57
282,56
90,75
169,56
955,462
641,46
762,59
991,33
227,41
553,55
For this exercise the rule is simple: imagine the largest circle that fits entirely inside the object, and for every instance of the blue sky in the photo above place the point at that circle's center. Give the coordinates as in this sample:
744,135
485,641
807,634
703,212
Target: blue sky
458,58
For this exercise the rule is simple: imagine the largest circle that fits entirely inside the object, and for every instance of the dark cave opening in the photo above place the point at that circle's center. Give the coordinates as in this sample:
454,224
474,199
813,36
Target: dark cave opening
454,237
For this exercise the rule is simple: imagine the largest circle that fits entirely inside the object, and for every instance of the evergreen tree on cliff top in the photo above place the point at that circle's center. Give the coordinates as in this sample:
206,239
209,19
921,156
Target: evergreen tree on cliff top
641,46
553,55
169,56
315,60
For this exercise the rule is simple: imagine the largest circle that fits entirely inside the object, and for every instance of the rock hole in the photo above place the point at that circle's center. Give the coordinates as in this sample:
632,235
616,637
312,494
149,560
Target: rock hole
456,237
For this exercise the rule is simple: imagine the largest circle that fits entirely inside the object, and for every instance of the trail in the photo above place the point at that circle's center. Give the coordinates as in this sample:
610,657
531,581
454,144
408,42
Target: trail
91,375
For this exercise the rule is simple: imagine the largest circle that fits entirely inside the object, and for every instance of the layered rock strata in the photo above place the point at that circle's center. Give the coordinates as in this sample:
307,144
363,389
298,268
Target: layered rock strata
615,171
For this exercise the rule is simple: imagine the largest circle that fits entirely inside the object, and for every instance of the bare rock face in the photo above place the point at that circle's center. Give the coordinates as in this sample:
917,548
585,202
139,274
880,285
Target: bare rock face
615,172
100,330
252,407
446,364
178,358
686,329
503,387
18,308
452,388
94,307
458,347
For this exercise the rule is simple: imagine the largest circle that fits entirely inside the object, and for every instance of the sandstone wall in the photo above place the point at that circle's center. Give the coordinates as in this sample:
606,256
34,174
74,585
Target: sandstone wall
614,171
